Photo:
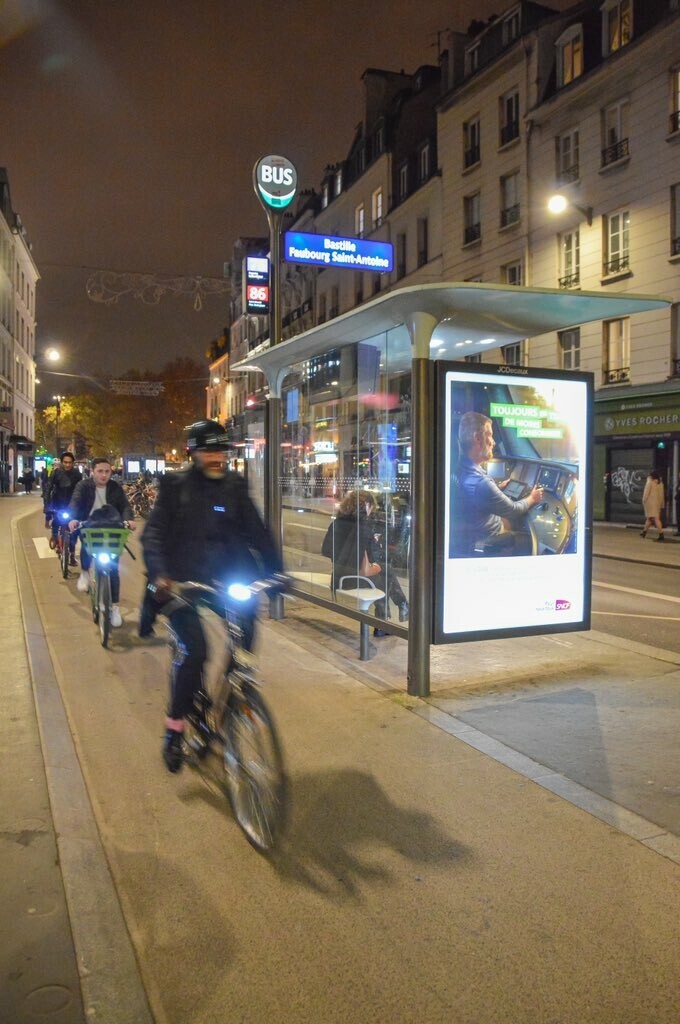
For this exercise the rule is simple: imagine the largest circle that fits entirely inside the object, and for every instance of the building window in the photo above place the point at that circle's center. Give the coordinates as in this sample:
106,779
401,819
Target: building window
509,117
509,199
570,259
675,220
359,220
615,133
471,142
476,357
403,180
617,255
379,140
617,25
361,159
422,241
424,162
377,208
401,255
325,194
570,348
510,30
569,49
567,157
321,318
335,302
358,288
512,273
338,182
512,354
674,122
472,59
471,218
616,359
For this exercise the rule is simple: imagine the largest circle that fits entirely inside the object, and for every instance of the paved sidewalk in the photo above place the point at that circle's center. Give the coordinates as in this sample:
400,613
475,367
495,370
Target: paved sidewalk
624,542
433,871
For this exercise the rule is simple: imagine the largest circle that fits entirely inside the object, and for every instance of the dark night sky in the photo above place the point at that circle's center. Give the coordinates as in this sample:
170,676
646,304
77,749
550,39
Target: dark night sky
129,129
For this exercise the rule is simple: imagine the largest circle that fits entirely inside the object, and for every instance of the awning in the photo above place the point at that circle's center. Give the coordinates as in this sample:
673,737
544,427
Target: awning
471,318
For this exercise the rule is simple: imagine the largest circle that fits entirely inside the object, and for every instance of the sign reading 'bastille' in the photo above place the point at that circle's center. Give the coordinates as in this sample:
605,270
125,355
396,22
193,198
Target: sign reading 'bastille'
336,251
275,182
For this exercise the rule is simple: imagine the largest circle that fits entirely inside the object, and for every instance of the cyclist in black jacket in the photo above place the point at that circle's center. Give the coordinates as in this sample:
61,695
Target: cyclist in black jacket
58,493
203,527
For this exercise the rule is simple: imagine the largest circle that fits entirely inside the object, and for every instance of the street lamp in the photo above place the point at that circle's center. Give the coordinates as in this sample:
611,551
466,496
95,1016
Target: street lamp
58,400
559,203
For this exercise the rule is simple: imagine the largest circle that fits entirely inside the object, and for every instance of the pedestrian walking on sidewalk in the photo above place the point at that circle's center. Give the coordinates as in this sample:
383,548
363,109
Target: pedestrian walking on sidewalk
653,502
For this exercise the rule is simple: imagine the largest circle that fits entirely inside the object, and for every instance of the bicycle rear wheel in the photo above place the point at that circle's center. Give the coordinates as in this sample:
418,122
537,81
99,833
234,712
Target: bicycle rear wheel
104,606
256,779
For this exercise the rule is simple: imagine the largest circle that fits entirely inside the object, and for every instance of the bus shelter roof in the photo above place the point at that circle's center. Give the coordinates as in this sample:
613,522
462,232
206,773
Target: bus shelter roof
470,318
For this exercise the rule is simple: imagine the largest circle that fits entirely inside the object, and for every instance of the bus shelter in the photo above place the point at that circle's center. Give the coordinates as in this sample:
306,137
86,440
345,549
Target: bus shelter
355,407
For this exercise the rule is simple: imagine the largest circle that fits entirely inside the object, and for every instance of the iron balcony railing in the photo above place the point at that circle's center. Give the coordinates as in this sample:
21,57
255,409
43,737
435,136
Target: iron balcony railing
617,151
570,280
674,122
510,215
568,174
471,156
617,264
675,367
472,233
619,375
509,132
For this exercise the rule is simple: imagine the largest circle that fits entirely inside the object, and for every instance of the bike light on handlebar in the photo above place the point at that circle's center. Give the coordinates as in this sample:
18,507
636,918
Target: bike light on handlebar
103,558
64,516
239,592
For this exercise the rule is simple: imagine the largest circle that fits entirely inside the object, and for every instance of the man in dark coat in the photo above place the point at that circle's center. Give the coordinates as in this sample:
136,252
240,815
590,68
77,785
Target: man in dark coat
59,491
203,527
93,493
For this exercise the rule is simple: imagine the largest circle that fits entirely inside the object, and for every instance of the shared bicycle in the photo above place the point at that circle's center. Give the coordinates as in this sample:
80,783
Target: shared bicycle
234,718
105,545
63,541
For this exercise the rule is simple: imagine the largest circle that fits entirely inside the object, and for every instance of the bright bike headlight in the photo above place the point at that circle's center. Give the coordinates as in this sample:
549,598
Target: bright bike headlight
103,558
239,592
64,516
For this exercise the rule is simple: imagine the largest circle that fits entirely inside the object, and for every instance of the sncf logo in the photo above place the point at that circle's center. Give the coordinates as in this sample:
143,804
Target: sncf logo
561,605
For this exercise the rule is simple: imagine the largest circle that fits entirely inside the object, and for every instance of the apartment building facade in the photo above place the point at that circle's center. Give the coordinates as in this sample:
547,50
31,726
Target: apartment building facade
18,280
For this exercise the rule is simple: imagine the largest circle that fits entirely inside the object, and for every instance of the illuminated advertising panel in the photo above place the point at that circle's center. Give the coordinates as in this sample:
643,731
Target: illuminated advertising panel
256,285
514,499
335,251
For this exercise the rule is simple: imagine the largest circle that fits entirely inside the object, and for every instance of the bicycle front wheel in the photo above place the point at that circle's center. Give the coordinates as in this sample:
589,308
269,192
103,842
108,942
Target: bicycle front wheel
104,606
64,555
256,779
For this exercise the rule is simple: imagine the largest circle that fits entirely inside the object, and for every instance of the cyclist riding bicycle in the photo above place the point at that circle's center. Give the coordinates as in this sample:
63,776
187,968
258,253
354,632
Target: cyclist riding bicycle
91,494
203,527
58,495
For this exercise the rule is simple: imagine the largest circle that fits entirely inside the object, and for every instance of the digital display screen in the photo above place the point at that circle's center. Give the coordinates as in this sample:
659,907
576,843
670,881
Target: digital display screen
508,561
133,466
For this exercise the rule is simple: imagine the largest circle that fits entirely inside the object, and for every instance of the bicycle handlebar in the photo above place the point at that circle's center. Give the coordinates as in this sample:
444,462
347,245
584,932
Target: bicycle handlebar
277,583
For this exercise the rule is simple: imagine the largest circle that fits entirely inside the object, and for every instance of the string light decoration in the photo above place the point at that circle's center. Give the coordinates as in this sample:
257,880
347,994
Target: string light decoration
107,286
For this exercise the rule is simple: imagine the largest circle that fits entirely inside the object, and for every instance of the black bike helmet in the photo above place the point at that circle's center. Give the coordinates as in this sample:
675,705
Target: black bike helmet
207,435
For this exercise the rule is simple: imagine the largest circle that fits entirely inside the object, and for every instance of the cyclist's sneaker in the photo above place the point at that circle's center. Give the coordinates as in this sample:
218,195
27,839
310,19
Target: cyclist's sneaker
83,584
116,617
173,754
53,542
72,560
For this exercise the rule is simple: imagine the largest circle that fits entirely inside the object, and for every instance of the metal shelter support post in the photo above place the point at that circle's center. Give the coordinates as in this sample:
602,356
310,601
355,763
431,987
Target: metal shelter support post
272,491
421,326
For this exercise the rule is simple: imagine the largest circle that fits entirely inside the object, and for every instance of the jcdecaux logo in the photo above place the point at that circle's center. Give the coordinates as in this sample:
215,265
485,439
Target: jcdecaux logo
275,180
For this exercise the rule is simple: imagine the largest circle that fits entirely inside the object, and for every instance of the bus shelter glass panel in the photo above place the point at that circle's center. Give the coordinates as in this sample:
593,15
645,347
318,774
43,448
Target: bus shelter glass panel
346,474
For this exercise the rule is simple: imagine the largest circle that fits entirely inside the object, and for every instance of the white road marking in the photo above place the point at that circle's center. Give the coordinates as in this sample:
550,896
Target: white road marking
42,546
633,615
641,593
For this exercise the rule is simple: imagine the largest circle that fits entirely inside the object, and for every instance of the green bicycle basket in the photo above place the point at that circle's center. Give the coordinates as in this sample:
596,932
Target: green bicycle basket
110,539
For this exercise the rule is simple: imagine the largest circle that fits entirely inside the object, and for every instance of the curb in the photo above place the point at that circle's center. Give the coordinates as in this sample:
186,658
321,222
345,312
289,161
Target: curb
110,978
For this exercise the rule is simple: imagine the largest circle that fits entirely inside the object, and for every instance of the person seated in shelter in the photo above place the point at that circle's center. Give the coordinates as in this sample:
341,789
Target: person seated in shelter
484,520
351,544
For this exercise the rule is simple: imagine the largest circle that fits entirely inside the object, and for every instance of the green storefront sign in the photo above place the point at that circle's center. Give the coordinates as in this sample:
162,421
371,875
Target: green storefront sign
658,414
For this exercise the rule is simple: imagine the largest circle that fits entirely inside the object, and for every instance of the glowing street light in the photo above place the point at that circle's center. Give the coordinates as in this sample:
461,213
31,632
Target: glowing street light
558,204
53,355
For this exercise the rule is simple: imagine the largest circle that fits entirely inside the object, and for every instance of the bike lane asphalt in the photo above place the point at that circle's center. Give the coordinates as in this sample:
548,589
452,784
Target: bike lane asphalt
420,879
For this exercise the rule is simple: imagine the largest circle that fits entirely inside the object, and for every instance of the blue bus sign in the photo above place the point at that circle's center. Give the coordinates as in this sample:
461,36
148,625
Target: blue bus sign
335,251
